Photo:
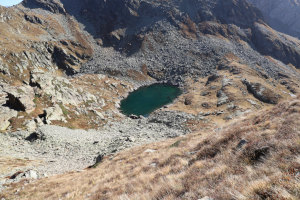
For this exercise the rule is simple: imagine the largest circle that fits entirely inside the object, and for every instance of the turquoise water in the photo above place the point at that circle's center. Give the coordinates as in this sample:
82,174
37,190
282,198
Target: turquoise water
145,100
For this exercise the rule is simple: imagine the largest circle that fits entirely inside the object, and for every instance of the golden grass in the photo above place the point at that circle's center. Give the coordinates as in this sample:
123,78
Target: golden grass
7,164
210,163
193,102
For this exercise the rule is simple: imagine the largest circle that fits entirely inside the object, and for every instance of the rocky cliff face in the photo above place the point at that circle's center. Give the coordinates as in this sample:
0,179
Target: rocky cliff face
281,15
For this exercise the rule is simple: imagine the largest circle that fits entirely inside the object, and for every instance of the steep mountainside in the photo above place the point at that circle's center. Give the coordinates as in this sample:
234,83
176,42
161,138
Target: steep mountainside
282,15
67,64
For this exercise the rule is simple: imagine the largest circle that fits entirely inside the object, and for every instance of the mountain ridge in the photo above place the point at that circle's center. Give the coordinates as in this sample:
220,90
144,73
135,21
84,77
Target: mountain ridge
281,15
66,65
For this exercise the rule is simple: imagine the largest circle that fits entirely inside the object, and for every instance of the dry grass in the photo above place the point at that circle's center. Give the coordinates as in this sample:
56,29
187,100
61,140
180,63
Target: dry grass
193,101
189,28
7,164
212,163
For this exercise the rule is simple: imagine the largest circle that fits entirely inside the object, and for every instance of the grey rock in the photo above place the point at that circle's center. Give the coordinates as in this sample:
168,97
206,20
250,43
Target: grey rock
5,115
204,93
4,68
20,98
150,151
31,174
222,98
261,92
31,125
212,78
241,143
54,114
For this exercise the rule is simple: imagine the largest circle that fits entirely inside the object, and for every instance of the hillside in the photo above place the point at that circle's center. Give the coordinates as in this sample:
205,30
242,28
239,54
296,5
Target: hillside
65,66
178,42
281,15
256,157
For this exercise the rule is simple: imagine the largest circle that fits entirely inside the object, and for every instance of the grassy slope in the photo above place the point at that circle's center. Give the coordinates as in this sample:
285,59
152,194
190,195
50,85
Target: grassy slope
201,164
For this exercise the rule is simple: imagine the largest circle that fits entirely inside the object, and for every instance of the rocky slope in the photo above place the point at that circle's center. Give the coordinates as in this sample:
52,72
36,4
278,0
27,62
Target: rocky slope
281,15
69,63
256,157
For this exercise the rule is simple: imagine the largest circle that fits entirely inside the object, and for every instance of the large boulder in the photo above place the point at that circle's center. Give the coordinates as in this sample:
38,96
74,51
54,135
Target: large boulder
222,98
261,92
20,98
54,114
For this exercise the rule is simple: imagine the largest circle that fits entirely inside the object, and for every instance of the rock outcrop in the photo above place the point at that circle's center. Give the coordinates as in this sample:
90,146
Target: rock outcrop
262,93
53,114
20,98
280,46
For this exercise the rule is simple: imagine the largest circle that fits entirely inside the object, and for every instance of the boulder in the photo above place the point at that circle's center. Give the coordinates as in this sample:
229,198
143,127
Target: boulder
241,143
31,174
4,68
188,100
38,135
33,19
204,93
134,117
222,98
31,125
212,78
206,105
261,92
5,115
150,151
226,82
99,114
54,114
20,98
98,160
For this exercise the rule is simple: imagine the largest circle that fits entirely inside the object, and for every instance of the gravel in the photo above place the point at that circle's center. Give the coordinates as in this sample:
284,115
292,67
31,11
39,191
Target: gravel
62,149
